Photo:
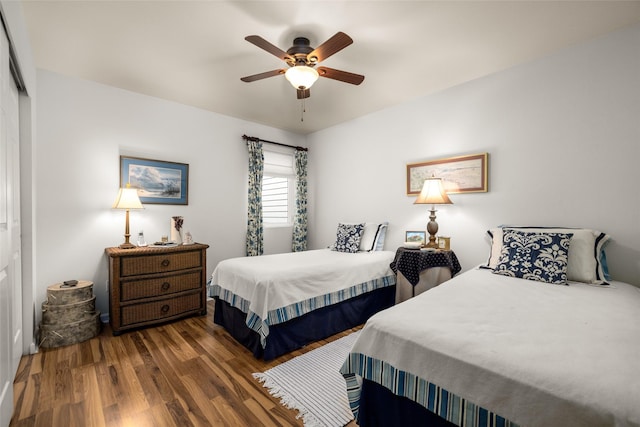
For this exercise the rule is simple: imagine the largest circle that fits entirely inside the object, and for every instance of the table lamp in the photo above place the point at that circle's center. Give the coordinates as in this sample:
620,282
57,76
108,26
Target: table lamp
433,193
127,199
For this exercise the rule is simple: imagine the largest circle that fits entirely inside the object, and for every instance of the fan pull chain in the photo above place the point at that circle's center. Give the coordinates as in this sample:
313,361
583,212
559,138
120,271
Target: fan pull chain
302,110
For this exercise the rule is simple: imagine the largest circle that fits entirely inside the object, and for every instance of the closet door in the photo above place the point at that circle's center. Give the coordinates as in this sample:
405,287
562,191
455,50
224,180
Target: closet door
13,195
11,333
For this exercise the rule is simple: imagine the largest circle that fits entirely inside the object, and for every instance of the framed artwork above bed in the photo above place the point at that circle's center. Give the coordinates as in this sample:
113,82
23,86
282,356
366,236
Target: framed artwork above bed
157,181
462,174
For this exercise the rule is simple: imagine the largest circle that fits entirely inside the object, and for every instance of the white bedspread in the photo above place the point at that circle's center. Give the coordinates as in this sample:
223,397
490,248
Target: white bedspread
537,354
275,288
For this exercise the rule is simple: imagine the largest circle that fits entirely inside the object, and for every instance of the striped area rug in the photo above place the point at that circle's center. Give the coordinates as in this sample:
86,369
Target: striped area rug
312,384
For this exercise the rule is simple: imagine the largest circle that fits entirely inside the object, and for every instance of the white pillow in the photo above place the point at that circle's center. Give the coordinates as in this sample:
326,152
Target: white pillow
584,251
382,233
368,239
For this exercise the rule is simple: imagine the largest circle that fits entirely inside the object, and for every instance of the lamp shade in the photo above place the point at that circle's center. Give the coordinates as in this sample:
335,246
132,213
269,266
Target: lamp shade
127,199
433,193
301,76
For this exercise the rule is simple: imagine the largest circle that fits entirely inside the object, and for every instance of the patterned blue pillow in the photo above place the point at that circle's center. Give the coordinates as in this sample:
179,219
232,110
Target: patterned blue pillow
534,256
348,238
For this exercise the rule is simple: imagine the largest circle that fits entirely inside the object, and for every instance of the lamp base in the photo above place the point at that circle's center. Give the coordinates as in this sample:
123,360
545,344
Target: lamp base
431,243
432,229
127,244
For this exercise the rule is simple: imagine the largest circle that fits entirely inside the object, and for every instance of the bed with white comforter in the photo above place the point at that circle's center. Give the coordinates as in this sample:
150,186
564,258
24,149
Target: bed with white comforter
272,290
488,349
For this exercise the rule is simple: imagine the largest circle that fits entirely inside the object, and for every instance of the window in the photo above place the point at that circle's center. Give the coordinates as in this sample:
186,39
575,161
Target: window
278,188
275,200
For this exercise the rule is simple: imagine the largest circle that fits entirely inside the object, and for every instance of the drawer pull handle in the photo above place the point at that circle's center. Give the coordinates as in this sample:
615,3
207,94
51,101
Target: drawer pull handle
165,309
165,263
166,286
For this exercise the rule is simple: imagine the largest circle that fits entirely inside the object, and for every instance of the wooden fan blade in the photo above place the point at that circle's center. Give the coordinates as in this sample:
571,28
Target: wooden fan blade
343,76
274,50
335,44
304,93
261,76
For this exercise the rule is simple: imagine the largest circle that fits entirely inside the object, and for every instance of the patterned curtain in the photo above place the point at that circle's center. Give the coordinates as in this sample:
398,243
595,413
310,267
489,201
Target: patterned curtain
300,218
254,213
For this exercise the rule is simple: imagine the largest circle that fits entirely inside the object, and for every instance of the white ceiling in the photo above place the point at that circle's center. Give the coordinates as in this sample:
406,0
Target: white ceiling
194,52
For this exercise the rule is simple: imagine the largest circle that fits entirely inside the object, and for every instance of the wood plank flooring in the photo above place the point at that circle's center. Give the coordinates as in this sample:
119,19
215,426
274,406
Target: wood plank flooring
186,373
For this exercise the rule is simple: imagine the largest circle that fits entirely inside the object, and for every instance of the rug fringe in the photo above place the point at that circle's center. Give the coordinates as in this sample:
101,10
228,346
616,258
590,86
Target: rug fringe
312,385
276,391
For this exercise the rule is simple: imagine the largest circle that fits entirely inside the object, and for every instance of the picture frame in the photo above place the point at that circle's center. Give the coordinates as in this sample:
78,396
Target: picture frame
461,174
444,243
416,236
157,181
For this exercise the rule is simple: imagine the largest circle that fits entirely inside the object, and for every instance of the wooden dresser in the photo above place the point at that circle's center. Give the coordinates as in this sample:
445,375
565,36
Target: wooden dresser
151,285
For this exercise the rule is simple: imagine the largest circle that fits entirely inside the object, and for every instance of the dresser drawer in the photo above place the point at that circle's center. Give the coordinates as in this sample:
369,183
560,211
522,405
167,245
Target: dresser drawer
137,289
136,265
158,310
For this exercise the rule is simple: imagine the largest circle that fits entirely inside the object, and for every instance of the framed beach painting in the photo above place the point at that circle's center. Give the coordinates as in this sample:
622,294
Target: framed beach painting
463,174
157,181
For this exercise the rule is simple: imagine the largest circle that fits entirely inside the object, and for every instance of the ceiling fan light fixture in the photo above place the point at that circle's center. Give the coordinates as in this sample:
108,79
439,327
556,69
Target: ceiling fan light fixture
301,76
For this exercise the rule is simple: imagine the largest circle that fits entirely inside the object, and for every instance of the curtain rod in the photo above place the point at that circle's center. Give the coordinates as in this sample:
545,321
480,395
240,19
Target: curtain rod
253,138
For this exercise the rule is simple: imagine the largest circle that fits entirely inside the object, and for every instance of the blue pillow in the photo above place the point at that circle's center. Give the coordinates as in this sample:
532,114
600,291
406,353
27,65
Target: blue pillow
348,238
534,256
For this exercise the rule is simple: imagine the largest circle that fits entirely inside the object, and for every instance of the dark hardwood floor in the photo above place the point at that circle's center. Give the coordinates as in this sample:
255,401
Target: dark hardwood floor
186,373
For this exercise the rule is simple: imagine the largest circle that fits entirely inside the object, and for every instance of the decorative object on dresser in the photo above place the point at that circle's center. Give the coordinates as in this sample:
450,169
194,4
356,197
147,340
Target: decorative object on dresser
127,199
141,241
433,193
176,229
69,315
152,285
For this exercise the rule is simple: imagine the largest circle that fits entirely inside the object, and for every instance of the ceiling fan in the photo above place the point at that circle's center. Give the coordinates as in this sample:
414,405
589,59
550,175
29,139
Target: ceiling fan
302,60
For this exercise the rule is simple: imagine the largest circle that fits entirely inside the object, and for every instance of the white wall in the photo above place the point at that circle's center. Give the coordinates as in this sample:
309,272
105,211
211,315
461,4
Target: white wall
563,137
83,128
